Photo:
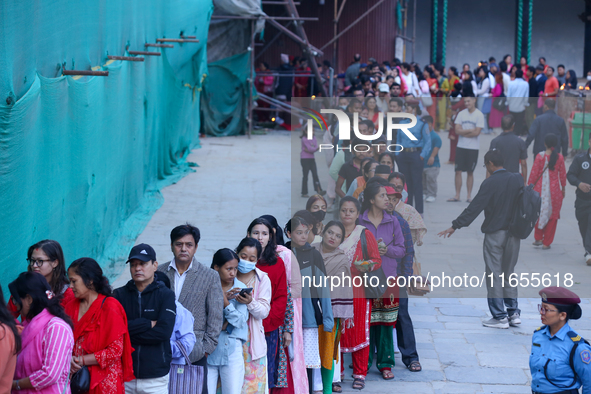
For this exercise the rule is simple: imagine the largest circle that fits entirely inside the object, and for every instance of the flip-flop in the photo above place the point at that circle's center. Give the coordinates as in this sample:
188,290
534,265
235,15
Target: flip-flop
469,200
453,199
415,366
358,384
336,388
388,377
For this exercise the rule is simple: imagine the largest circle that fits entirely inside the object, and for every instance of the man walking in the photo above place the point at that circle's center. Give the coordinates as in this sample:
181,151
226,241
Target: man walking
548,122
470,122
197,288
512,148
151,313
497,197
517,98
579,175
530,110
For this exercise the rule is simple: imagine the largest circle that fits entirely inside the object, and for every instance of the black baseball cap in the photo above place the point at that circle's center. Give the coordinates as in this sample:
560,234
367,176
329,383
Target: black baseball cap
143,252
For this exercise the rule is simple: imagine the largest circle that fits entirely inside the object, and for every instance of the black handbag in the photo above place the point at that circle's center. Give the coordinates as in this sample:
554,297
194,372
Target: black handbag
370,290
80,382
500,103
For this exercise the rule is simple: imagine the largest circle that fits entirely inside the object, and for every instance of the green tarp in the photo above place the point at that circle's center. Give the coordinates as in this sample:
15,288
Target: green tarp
82,160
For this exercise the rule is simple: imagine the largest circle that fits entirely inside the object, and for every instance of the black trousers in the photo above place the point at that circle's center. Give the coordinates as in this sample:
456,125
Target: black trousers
307,166
411,165
583,215
405,334
520,125
203,362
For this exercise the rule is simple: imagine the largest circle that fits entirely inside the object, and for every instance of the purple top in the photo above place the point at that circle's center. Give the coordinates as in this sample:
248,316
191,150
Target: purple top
308,147
388,230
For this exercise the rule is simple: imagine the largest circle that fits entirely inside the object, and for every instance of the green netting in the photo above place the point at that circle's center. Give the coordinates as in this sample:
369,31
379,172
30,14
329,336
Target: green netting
225,96
82,160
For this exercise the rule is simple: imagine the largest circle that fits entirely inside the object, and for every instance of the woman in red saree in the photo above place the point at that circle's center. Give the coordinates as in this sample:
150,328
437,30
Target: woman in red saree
101,339
355,336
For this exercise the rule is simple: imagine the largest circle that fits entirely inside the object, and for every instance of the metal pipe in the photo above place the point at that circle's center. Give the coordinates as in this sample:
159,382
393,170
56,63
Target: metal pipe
277,18
259,74
180,40
276,3
159,45
251,80
188,37
127,58
330,82
405,38
353,24
86,72
144,53
414,28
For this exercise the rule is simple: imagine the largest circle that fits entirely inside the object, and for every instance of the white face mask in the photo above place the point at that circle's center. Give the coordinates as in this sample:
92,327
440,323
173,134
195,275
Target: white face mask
588,77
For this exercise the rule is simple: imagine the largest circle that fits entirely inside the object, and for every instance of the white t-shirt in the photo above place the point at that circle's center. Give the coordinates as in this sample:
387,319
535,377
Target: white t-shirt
469,121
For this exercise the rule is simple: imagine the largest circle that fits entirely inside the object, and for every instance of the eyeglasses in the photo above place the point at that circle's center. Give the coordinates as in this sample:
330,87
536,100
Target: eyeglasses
544,310
37,263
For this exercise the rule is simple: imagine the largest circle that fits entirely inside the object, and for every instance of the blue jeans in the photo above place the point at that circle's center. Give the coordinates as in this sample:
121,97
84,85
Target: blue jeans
411,166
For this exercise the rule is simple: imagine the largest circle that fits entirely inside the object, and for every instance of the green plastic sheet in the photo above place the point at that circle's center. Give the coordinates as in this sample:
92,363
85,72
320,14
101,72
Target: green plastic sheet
82,161
225,96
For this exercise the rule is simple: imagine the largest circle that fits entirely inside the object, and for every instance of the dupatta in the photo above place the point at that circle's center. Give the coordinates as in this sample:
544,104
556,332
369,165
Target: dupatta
103,323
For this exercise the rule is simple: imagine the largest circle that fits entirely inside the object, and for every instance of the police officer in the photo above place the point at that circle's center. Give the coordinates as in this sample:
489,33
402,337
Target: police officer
560,359
579,175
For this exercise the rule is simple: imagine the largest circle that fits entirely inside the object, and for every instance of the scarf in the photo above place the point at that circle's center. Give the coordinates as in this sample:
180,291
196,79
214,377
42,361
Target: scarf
415,221
103,323
349,245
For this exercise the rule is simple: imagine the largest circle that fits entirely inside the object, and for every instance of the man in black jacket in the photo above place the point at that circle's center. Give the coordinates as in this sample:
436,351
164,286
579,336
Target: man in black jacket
151,313
497,197
579,175
547,123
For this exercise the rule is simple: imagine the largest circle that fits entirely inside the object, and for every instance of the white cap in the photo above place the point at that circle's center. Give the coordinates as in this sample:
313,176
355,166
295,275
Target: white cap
384,88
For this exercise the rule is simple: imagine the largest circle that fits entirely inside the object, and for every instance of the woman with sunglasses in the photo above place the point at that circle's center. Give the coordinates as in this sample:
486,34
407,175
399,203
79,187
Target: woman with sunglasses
47,258
560,359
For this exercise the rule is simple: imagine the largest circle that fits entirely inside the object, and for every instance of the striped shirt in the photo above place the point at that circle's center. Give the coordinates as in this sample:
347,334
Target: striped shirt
57,344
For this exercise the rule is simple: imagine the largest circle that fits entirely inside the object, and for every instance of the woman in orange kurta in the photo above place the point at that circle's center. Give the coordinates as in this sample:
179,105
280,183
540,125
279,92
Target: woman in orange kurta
101,339
355,336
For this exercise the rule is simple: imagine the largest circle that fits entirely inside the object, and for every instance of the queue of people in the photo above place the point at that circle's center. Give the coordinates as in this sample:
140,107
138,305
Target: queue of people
248,323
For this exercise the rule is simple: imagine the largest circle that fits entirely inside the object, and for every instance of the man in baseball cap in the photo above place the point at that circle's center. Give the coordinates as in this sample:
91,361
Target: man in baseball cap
384,97
151,311
560,359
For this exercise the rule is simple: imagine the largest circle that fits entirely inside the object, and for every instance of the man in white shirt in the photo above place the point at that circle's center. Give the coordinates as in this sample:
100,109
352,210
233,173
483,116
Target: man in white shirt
469,124
412,83
517,98
383,98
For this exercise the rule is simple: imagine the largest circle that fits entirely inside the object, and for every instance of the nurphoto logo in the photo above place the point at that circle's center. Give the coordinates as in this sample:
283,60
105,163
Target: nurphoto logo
344,128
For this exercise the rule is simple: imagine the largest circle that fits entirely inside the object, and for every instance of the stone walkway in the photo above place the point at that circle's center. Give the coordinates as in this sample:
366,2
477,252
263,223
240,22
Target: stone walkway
240,179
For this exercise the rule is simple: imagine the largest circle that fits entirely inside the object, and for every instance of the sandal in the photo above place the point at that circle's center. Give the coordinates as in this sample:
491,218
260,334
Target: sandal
469,200
453,199
336,388
358,384
414,366
387,375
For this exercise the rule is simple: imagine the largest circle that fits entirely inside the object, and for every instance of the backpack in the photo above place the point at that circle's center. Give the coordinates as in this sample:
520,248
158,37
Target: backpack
525,212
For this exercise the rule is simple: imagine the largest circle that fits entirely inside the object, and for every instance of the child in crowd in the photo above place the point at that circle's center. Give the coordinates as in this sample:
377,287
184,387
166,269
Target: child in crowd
432,165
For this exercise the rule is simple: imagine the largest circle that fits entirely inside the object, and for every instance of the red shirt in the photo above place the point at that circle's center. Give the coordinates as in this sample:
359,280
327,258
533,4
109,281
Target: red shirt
551,85
278,279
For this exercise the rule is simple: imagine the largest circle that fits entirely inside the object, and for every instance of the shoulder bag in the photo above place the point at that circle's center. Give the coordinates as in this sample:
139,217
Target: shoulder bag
185,379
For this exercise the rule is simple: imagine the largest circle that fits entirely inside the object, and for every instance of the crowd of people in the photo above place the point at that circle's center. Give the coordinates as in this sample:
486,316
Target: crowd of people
249,323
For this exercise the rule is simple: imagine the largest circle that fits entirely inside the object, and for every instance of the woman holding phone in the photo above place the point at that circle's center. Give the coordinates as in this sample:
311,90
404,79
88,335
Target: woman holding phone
227,362
258,303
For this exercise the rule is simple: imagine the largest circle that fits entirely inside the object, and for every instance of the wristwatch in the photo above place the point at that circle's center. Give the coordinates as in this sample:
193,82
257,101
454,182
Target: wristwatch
17,385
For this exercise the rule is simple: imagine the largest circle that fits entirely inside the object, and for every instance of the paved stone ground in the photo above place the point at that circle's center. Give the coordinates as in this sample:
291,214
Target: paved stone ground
239,179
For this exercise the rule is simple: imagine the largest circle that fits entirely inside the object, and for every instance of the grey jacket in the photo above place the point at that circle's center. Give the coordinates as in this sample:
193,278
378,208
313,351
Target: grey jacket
202,296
